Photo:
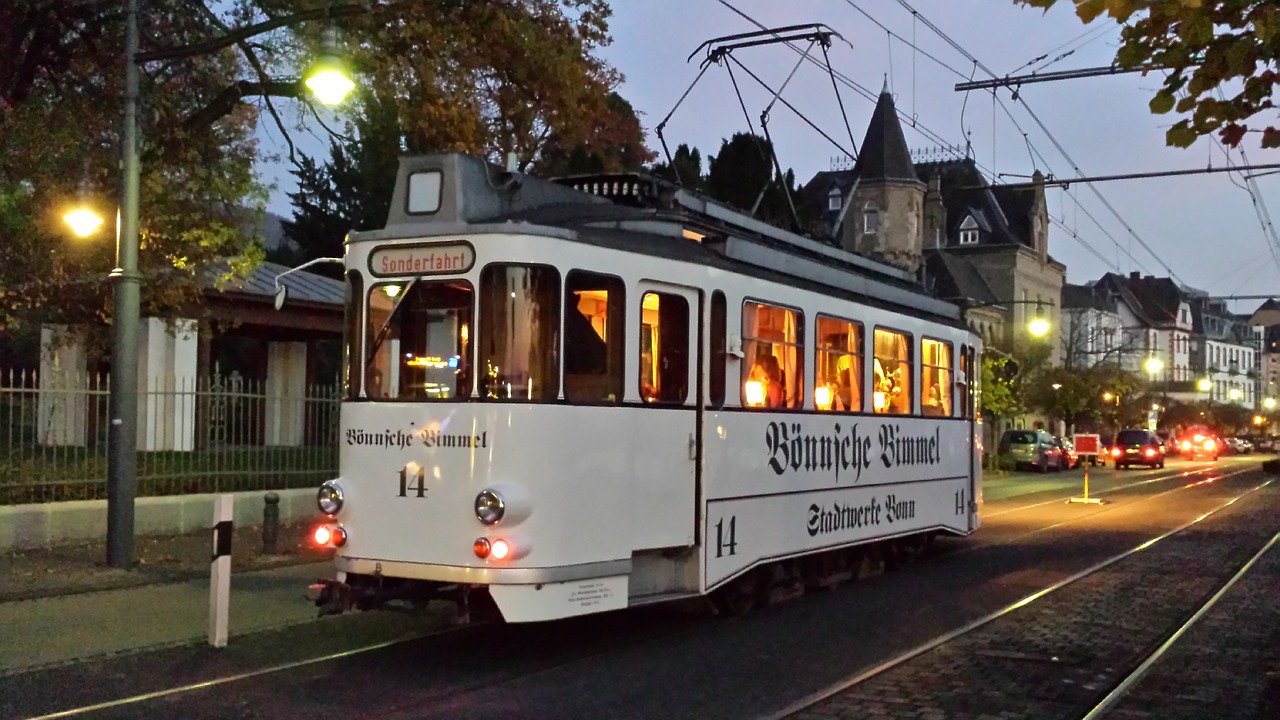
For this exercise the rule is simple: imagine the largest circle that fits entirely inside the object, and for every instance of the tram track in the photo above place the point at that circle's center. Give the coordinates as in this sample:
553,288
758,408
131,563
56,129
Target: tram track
1114,691
427,644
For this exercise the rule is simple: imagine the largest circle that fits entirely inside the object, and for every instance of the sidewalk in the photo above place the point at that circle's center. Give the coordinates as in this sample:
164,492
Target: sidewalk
64,604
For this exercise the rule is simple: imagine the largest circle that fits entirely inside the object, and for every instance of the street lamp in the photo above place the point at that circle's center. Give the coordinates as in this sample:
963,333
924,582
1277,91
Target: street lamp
122,436
1269,403
1154,365
83,221
1235,394
1039,325
1204,385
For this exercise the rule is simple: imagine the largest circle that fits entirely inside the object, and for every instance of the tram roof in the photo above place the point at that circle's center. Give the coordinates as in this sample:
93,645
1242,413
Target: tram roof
639,213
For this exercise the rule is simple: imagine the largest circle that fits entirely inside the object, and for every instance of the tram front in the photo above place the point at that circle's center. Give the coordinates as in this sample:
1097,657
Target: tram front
458,469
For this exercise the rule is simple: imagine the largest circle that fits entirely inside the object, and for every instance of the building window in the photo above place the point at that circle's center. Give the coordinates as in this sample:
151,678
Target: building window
870,219
838,373
773,350
834,200
892,363
969,231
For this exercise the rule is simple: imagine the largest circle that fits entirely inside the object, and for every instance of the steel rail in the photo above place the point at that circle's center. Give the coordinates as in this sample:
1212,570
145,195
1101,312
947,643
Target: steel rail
987,619
1132,678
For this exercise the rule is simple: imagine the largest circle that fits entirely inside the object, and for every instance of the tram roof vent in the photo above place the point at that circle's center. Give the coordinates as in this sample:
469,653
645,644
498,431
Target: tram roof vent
456,188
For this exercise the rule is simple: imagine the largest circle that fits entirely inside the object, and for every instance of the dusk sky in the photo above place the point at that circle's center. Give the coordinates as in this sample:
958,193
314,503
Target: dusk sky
1203,228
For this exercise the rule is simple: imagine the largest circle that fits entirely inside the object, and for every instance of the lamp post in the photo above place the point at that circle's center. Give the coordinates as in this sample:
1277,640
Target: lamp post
122,435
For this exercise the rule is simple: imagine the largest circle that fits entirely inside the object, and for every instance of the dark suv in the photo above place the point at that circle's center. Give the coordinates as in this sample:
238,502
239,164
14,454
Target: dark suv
1137,447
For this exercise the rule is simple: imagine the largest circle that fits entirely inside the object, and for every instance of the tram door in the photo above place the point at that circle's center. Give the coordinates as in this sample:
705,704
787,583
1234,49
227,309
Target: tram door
669,363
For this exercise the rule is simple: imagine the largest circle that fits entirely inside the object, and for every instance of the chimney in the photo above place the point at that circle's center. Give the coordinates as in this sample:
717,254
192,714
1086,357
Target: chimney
1135,275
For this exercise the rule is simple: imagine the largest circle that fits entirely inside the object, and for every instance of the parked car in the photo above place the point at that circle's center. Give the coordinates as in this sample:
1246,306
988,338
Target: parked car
1071,459
1137,447
1033,449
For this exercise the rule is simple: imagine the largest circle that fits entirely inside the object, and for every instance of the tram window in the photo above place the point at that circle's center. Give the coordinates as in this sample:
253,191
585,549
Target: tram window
593,337
838,374
664,348
935,378
719,356
519,332
351,334
891,393
418,336
773,348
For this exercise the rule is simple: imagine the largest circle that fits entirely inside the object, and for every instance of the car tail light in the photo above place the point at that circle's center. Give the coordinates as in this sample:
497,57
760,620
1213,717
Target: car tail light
1115,452
1209,444
1150,452
1186,444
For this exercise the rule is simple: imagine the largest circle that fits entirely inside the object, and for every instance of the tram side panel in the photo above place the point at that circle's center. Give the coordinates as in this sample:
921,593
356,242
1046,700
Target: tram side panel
779,485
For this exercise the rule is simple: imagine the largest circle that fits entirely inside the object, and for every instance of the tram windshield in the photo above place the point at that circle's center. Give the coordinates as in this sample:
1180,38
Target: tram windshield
419,341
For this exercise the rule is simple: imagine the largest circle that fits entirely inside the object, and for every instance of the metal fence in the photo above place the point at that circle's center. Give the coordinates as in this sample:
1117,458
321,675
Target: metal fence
195,435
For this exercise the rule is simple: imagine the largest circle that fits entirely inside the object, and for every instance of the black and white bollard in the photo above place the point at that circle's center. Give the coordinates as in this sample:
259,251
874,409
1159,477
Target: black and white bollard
220,570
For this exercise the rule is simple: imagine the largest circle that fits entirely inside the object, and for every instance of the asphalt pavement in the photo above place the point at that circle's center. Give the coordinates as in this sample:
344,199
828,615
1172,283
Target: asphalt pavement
78,650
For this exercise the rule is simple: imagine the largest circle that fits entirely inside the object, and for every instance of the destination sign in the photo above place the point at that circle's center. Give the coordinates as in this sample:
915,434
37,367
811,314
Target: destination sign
433,259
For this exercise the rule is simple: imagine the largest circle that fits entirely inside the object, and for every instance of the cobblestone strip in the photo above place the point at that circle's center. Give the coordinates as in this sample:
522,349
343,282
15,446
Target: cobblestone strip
1060,655
1219,669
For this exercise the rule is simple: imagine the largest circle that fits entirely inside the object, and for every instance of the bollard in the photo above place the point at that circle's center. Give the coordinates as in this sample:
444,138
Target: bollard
270,523
220,570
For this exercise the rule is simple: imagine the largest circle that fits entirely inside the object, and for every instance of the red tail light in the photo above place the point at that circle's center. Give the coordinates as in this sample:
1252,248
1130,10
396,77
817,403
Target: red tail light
1209,444
1150,452
1115,452
1186,444
322,535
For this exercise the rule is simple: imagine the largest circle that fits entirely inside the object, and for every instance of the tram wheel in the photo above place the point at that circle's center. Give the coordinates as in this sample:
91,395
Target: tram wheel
739,596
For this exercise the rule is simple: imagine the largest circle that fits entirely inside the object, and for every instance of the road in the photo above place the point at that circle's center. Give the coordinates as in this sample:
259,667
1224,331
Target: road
667,662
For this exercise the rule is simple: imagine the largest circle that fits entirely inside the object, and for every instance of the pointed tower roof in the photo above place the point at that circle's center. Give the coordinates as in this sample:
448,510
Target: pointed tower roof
884,154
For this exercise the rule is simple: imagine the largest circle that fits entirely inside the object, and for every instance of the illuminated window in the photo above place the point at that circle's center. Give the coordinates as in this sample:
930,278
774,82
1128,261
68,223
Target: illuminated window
418,339
837,382
593,337
935,378
519,350
891,392
664,348
963,381
773,356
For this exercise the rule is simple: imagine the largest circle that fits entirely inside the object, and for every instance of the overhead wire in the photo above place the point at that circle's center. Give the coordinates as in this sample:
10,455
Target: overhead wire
1052,139
916,17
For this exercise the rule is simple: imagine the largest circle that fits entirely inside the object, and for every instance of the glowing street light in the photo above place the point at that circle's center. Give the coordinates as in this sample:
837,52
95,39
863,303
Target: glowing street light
83,221
1154,365
1107,396
328,78
1269,403
1235,394
1204,385
1039,326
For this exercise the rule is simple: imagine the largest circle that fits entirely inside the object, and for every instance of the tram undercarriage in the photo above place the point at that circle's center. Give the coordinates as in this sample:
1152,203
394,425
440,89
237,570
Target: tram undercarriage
762,585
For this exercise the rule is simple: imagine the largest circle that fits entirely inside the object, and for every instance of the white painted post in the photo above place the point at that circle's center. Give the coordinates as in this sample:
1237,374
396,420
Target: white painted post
220,571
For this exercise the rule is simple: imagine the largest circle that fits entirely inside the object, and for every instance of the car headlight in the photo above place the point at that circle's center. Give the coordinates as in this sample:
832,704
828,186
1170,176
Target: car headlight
489,507
329,498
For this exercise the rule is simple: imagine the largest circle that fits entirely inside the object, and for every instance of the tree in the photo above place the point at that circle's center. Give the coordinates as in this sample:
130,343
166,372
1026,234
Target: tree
61,89
613,142
1203,47
742,175
685,168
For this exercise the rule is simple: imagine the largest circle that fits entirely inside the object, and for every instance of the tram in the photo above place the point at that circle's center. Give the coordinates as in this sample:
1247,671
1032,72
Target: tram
589,394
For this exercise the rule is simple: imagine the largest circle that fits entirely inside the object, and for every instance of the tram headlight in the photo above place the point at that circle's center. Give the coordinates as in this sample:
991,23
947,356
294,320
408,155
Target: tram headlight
329,498
490,507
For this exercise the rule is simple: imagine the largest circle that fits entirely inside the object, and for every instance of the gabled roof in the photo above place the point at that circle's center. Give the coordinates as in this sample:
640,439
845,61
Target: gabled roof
1003,213
956,277
1087,297
884,154
1267,314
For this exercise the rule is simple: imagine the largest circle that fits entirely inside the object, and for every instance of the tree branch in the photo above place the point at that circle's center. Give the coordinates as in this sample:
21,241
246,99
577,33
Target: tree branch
226,100
249,31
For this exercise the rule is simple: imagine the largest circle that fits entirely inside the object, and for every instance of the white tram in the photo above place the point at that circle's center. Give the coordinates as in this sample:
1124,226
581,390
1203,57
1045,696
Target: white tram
587,395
